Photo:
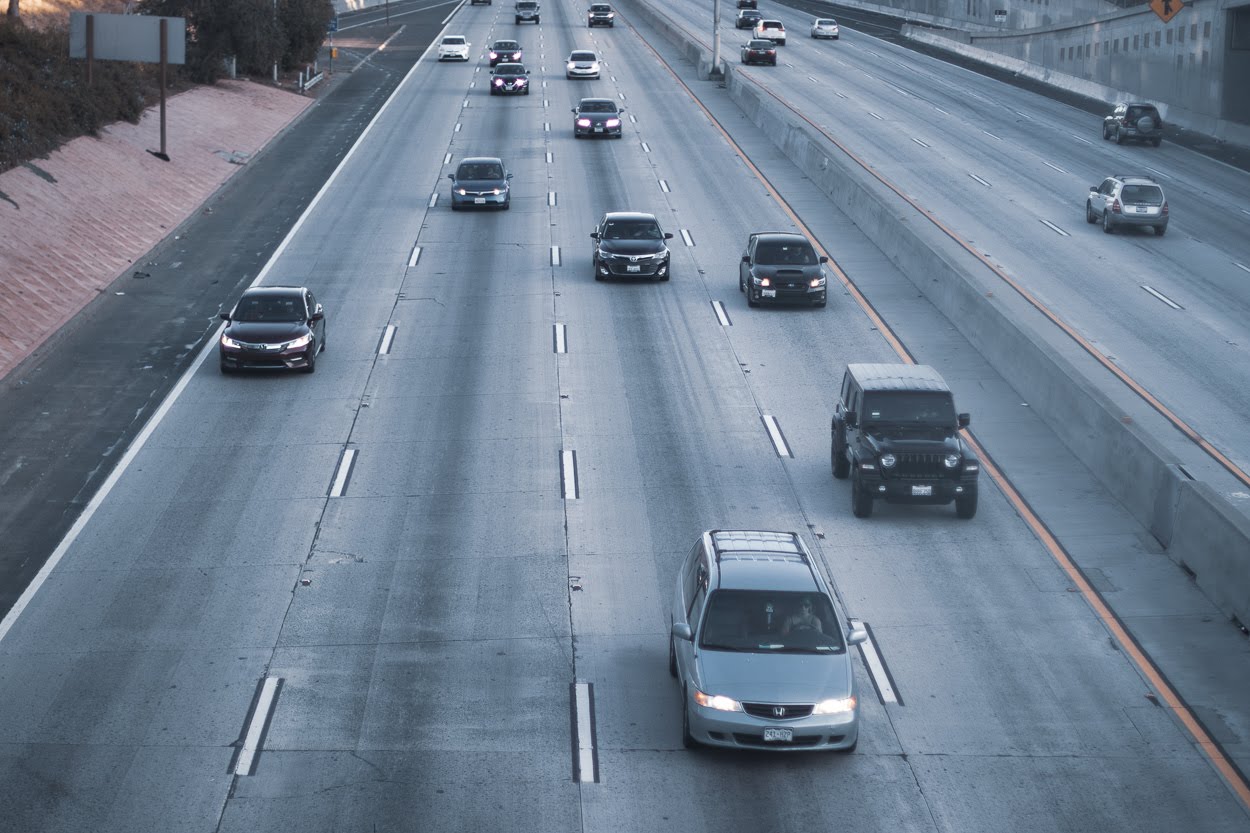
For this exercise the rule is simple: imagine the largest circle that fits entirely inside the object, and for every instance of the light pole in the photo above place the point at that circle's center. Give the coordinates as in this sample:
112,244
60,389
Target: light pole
715,38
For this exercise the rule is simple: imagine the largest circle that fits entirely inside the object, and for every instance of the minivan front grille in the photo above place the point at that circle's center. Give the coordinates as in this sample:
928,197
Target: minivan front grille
766,710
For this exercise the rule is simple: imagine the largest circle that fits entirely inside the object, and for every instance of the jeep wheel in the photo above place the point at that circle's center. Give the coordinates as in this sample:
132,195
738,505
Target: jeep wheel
1106,134
841,466
1089,213
966,505
1119,137
861,500
1107,228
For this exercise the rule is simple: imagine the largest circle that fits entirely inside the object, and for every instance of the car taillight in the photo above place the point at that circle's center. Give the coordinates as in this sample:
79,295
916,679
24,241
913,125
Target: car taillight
1115,206
1165,209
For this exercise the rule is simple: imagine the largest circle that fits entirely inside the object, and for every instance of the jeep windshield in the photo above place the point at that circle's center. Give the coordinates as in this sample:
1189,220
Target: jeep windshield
909,408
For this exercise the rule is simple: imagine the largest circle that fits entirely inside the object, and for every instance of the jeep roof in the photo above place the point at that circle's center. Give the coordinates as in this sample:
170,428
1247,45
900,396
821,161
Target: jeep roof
897,377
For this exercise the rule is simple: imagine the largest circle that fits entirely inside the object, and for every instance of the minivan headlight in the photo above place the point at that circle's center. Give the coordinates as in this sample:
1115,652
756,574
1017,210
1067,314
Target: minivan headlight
717,701
840,705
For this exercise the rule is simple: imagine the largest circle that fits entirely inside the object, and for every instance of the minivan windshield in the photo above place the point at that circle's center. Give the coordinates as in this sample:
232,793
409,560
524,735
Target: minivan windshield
769,622
921,408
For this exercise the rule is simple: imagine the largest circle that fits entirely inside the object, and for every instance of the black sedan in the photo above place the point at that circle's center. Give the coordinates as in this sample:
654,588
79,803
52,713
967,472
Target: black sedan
759,51
630,244
510,79
504,52
597,117
747,18
273,328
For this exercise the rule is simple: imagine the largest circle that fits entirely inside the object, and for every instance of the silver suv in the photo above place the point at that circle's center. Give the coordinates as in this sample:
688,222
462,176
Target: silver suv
1127,201
760,651
527,10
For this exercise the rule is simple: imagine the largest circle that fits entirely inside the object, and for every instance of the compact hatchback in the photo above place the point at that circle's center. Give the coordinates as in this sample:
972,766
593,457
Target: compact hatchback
582,63
453,48
759,649
273,328
504,52
782,266
757,51
773,30
510,79
630,244
597,117
1123,201
480,181
825,27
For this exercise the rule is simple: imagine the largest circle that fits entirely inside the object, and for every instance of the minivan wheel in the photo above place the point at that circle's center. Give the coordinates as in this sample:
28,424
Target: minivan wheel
687,739
1107,228
672,657
966,505
861,500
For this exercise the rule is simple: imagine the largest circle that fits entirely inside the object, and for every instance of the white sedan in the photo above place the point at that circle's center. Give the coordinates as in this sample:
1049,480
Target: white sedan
825,27
453,48
582,63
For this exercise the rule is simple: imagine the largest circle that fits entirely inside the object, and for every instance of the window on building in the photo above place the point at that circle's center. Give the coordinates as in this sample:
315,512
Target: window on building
1136,46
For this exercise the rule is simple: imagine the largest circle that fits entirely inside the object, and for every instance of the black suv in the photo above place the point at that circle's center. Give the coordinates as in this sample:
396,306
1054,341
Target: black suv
1136,121
781,266
896,435
629,244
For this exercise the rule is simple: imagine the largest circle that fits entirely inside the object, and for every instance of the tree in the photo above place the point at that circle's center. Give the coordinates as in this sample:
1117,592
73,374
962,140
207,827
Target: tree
15,11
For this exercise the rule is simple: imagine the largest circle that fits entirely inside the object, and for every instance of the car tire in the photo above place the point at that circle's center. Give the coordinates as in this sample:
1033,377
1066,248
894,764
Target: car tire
966,506
1107,227
742,284
1161,230
518,21
1119,136
506,205
1106,134
838,462
752,301
1090,217
312,363
861,500
687,739
594,264
850,749
537,20
672,657
226,370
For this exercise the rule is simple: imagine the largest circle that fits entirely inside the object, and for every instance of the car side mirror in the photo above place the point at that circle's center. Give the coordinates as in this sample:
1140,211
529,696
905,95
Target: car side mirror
857,634
682,631
965,420
620,109
316,316
573,111
668,235
851,419
451,176
824,259
594,235
746,258
527,72
509,176
224,316
1094,187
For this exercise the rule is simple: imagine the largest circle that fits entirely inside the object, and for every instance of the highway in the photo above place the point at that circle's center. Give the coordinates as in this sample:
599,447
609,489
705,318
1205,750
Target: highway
426,587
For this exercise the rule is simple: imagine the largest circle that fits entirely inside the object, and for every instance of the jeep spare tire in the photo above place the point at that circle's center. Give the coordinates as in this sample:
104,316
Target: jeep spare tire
1146,124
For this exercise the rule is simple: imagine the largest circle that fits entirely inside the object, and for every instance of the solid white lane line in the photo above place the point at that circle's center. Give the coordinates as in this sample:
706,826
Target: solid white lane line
568,474
388,336
414,257
876,670
991,135
686,238
1165,299
646,148
774,434
551,198
561,346
583,705
1157,172
1053,167
1240,266
982,181
343,473
256,730
1055,228
721,315
917,141
1081,139
875,116
433,199
940,110
555,255
664,186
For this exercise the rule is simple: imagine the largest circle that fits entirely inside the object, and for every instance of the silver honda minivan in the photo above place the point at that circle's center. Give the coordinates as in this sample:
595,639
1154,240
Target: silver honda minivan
760,652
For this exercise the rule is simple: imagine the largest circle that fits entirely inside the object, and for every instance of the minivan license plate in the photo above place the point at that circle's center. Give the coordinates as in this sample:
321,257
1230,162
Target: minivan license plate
785,735
922,491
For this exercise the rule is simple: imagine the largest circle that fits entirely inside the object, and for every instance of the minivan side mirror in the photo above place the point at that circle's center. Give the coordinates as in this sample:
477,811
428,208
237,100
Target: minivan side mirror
682,631
851,418
857,634
965,420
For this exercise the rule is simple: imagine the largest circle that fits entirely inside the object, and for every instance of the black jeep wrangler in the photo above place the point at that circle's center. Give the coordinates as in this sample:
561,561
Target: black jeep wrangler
896,435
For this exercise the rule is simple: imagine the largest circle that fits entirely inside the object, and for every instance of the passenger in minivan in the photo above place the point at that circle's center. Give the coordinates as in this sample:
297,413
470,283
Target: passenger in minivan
803,619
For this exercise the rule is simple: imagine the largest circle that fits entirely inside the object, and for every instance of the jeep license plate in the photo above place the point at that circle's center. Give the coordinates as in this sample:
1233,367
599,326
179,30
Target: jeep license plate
479,200
768,293
783,735
922,491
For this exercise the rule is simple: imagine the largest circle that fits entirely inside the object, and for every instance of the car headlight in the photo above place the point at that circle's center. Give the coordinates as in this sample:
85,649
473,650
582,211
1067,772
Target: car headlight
494,55
951,461
572,65
612,123
497,191
583,122
520,82
840,705
498,82
888,461
302,341
763,281
227,341
717,701
817,281
461,191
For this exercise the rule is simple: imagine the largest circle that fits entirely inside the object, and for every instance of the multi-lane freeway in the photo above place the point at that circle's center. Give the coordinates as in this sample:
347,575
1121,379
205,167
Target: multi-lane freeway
426,588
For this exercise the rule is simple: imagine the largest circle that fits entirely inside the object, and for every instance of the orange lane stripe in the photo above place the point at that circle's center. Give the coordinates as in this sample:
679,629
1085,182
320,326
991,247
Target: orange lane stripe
1211,748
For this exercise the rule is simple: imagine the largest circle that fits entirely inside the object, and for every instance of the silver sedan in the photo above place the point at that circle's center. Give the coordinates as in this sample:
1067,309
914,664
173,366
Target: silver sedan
825,27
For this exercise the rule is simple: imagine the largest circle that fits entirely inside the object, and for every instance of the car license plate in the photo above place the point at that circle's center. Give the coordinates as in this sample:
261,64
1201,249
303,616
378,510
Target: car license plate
1140,209
922,491
598,129
784,735
633,267
768,293
479,200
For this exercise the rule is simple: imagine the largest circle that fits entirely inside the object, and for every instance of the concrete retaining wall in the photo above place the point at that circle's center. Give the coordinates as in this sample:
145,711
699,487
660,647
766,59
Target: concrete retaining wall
1196,524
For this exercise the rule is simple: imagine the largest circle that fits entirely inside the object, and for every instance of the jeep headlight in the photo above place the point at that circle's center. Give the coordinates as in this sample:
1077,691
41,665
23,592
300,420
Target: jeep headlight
888,461
951,461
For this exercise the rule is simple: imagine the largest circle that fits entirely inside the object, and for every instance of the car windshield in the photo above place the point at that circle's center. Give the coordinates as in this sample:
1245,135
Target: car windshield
510,69
760,44
454,40
767,622
784,254
1142,195
919,408
601,8
771,24
826,23
582,56
632,230
480,170
1138,112
270,308
597,107
506,46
